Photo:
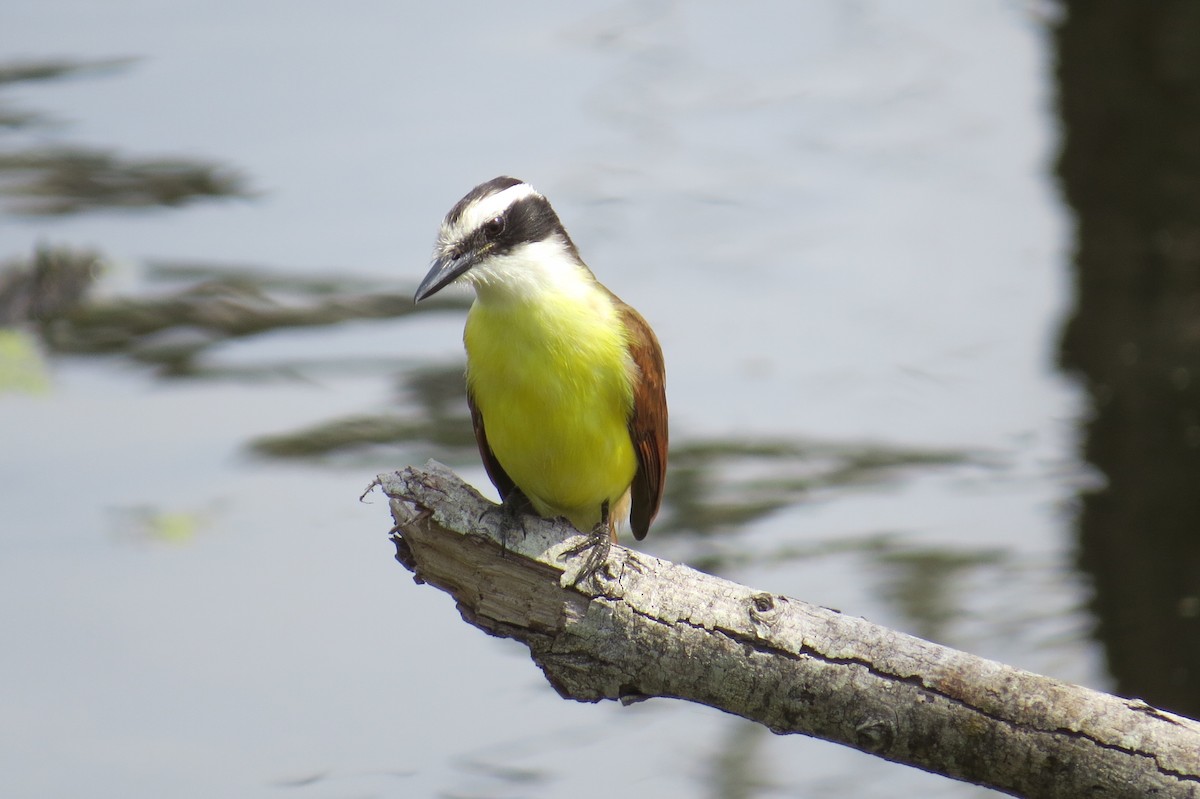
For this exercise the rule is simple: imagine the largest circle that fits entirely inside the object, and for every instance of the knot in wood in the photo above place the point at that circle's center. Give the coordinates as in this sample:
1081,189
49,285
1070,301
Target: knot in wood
875,734
764,612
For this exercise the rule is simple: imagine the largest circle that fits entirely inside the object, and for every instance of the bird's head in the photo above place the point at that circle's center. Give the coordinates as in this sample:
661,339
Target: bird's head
502,237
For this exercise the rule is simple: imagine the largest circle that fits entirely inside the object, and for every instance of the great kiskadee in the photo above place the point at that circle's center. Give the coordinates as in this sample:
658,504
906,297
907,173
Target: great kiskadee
564,381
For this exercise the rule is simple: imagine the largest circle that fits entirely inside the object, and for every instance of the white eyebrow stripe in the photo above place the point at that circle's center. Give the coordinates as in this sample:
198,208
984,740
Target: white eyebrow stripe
483,210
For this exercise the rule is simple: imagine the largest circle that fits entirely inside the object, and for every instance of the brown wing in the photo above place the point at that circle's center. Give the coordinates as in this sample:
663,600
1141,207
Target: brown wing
647,423
499,477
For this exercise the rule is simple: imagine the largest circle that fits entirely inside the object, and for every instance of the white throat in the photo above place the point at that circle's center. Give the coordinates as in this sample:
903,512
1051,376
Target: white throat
530,272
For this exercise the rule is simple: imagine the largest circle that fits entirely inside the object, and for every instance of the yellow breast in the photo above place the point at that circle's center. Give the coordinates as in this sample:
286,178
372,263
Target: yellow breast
552,380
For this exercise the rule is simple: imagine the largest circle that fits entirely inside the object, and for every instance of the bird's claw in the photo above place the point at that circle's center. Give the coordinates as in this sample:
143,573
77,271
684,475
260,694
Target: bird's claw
512,517
599,541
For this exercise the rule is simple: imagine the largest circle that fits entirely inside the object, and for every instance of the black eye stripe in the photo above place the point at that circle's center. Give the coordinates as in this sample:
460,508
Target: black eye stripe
493,227
528,220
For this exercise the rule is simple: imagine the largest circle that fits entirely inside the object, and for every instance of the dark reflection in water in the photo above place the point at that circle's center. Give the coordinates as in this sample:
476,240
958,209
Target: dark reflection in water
29,71
193,309
716,487
925,586
48,286
723,484
437,420
1129,95
70,179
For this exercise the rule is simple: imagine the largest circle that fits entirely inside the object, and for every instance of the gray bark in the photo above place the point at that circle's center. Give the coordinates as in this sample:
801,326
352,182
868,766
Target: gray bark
645,627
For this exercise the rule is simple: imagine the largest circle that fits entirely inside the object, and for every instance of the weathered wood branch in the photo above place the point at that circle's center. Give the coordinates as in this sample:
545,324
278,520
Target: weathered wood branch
644,627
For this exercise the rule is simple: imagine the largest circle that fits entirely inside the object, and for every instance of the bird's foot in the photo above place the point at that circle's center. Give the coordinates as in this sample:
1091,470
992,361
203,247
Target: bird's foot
599,541
513,509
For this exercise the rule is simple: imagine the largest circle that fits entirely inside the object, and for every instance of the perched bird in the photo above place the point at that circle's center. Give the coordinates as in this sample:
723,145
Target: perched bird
565,382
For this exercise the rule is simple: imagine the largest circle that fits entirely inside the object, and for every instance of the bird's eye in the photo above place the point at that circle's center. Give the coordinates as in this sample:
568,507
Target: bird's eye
493,227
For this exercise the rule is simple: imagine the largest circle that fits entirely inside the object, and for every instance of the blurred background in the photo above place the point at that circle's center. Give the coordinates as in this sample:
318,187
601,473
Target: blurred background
926,276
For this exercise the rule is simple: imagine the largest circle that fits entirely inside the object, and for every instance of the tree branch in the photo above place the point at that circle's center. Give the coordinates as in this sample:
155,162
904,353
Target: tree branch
644,627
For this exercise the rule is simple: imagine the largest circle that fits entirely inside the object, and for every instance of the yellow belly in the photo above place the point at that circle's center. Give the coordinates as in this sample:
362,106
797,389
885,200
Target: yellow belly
553,384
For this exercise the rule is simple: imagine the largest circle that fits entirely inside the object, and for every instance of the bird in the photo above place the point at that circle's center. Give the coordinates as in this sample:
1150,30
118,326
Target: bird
565,382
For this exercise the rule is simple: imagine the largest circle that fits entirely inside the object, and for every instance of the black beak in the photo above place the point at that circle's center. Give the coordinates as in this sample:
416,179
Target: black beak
443,272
